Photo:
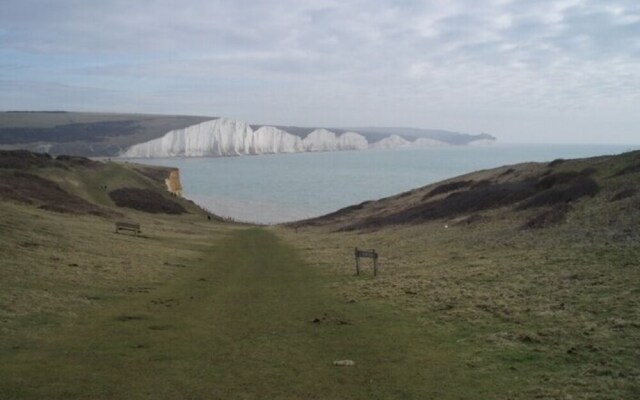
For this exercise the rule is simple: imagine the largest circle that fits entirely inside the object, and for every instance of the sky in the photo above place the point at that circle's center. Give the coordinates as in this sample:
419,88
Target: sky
523,70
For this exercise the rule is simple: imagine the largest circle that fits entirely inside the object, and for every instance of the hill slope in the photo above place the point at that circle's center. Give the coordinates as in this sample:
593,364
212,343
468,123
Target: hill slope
188,308
80,186
85,134
415,133
534,269
469,302
532,194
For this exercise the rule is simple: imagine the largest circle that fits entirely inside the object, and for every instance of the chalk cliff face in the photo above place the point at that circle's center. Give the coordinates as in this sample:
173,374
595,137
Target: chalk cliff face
320,140
391,142
173,182
227,137
273,140
352,141
220,137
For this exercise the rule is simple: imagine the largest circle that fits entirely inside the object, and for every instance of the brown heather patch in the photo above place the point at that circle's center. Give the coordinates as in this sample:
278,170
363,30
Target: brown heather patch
145,200
630,169
23,159
623,194
28,188
446,188
552,216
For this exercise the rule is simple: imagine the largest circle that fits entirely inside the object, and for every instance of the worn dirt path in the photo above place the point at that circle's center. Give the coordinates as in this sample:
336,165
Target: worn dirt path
239,326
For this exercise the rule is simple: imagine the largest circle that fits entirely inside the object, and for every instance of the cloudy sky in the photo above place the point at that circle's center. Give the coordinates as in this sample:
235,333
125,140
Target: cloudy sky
523,70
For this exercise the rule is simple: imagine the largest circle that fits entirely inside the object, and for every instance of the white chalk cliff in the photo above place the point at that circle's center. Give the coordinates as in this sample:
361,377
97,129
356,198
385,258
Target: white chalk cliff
268,139
220,137
227,137
391,142
352,141
320,140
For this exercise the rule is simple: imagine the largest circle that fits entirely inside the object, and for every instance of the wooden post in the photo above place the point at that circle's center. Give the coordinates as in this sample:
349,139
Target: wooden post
366,254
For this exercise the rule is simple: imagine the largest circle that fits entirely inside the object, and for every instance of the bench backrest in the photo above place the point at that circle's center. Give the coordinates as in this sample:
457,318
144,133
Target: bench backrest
127,225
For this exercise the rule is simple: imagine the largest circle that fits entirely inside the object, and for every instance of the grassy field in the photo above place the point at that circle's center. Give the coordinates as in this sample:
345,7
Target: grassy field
192,308
235,322
555,309
556,320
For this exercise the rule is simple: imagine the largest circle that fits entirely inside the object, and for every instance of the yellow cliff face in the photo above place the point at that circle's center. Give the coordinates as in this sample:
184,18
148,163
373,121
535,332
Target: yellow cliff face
173,182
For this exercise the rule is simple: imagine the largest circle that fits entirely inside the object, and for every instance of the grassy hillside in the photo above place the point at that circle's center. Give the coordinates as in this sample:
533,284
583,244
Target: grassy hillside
450,137
59,249
190,308
478,296
85,134
535,195
534,268
234,324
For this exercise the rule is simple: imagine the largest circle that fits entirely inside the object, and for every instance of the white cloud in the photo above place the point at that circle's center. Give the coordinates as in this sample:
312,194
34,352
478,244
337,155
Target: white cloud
471,65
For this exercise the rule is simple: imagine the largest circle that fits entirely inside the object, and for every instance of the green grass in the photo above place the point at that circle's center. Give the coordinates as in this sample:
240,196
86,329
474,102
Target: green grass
105,138
237,324
48,120
199,309
90,183
553,311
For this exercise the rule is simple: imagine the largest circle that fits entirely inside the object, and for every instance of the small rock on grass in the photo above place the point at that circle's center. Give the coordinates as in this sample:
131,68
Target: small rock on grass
344,363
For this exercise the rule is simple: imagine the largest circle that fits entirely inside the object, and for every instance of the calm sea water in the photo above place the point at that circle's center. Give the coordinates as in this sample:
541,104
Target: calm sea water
286,187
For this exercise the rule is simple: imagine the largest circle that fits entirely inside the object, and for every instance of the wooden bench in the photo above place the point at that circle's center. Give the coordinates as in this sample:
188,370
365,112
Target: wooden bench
128,226
367,254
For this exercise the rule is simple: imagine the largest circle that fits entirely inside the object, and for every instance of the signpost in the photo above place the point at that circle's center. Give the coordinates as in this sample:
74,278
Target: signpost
367,254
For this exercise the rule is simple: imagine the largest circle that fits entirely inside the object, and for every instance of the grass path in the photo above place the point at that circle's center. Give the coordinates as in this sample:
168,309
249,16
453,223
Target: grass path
237,325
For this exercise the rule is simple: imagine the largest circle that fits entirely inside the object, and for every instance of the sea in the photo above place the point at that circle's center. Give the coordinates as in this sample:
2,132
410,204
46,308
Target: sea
276,188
